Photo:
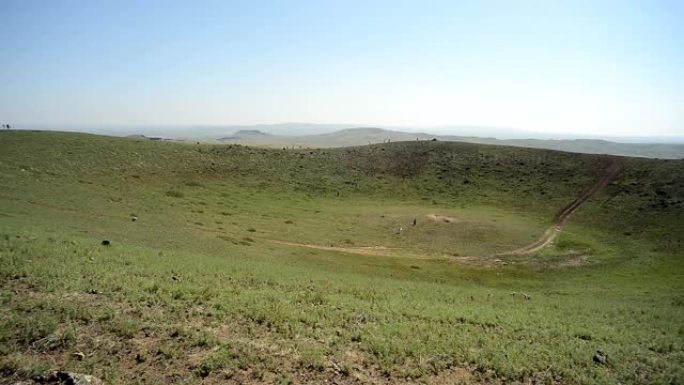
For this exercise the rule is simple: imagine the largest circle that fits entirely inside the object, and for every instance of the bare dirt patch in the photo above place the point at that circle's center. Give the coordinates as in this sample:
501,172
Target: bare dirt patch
568,260
363,250
441,218
579,261
453,376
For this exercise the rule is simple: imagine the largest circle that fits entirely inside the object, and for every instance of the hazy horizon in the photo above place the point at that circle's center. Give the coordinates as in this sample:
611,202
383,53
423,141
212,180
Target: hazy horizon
609,69
198,131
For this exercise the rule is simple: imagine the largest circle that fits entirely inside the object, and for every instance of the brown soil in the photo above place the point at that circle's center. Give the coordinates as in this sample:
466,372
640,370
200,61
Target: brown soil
441,218
363,250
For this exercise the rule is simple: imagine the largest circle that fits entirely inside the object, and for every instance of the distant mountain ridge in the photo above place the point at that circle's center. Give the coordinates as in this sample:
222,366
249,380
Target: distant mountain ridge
339,135
368,135
240,134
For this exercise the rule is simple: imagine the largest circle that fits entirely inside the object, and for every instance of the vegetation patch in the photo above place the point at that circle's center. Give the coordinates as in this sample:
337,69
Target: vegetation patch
361,287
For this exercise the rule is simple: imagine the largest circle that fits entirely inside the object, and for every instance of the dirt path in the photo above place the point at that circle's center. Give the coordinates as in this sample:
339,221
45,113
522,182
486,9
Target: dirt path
552,232
441,218
544,241
363,250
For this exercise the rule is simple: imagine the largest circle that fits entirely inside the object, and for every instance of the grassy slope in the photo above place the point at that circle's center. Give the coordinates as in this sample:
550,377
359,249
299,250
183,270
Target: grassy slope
247,308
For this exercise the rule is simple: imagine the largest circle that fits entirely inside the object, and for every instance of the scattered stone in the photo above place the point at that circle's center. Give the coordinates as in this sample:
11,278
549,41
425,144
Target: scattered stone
527,297
498,260
70,379
106,242
93,291
600,358
134,218
175,278
79,355
361,318
227,373
335,366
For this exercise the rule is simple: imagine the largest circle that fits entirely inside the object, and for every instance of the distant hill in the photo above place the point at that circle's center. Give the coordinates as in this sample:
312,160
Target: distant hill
245,134
339,135
366,135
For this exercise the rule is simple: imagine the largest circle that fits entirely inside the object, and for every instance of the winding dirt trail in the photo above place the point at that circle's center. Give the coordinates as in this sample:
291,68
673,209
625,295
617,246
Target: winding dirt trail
608,174
552,232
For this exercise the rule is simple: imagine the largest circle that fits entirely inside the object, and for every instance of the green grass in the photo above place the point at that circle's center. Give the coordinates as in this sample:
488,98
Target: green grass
195,290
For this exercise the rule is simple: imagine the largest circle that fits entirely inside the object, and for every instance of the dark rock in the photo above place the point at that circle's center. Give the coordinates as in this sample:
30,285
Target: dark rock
68,378
106,242
600,358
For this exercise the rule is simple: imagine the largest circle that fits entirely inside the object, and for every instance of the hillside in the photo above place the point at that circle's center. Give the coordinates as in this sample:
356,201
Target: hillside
363,136
382,263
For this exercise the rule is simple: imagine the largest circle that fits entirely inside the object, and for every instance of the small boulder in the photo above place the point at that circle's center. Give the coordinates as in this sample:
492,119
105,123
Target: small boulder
105,242
69,378
600,358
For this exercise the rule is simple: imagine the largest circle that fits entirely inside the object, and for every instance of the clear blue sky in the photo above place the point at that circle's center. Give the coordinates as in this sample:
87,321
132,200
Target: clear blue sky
593,67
